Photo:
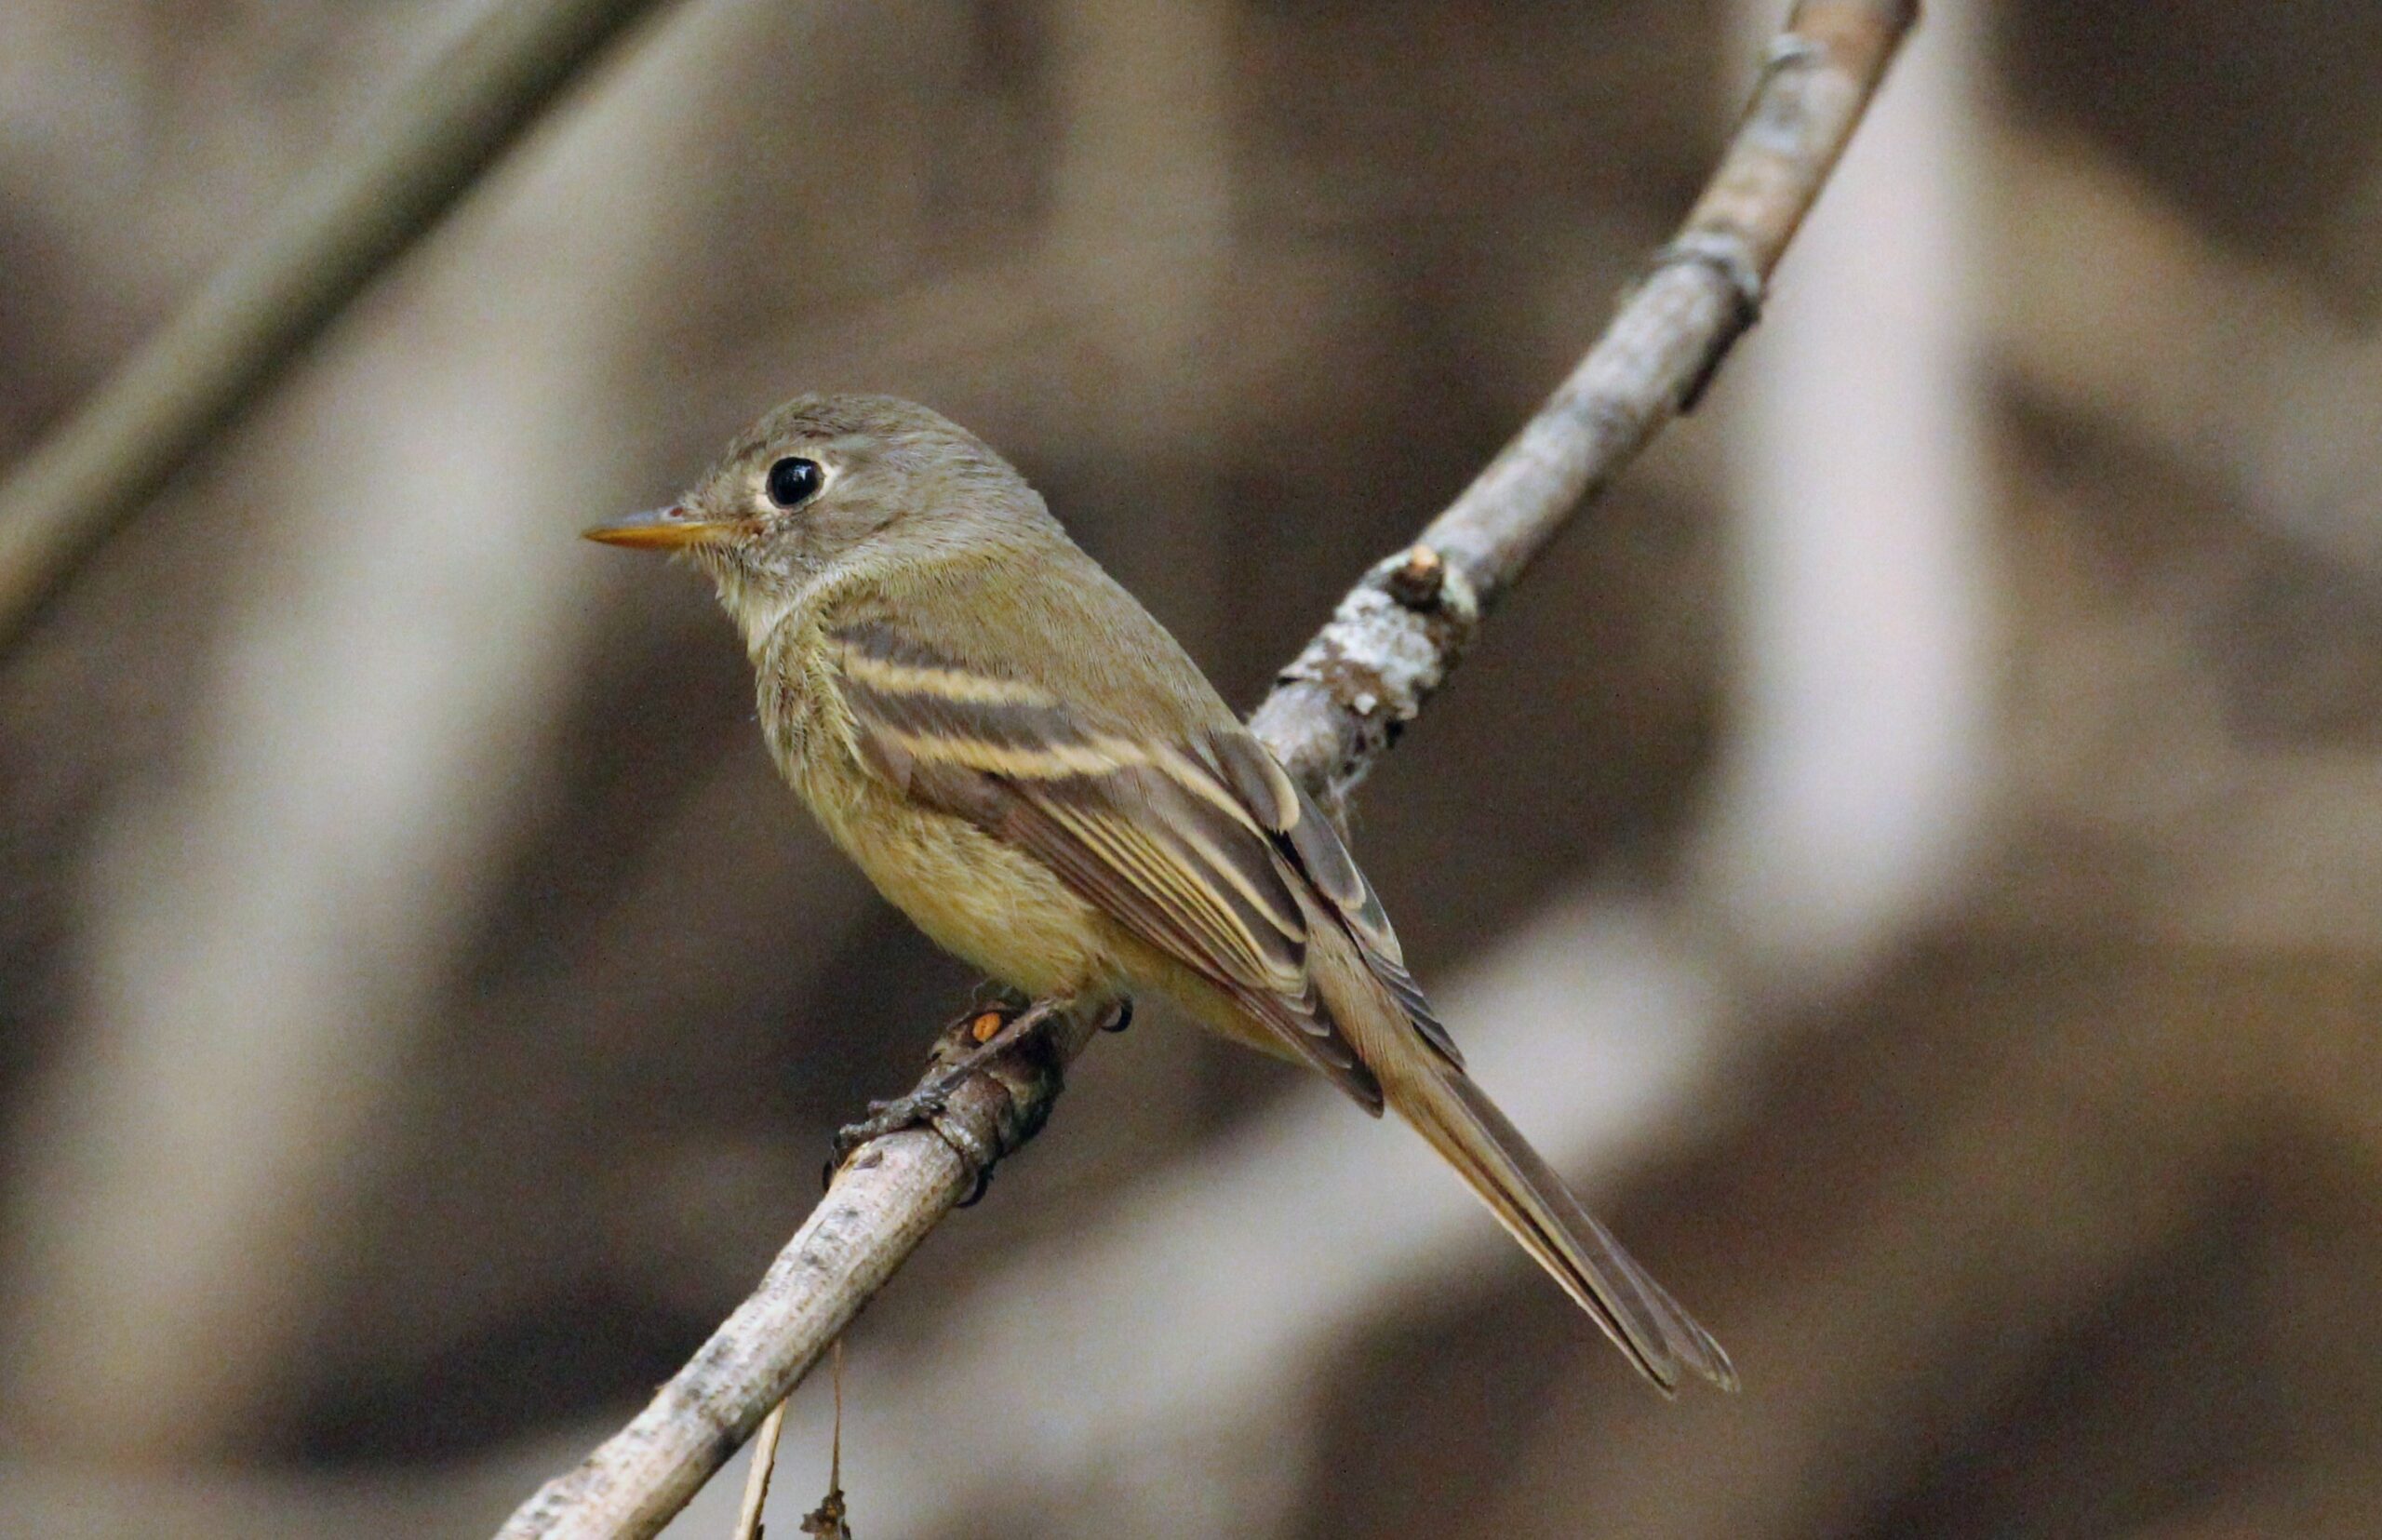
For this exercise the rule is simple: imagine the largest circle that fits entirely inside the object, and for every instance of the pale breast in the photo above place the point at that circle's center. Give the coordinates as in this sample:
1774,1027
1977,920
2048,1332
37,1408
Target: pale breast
989,904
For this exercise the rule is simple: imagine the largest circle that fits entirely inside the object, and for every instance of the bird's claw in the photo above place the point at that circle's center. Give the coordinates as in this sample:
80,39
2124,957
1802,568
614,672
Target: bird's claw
967,1045
919,1108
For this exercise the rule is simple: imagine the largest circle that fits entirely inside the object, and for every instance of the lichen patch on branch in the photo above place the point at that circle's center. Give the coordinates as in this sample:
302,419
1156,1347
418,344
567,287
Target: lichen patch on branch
1386,649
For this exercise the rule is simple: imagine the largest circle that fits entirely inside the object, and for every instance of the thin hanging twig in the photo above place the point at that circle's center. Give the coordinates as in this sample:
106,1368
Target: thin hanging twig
830,1512
756,1479
828,1519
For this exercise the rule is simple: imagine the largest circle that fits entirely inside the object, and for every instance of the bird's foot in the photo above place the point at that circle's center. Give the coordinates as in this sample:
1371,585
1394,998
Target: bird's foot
920,1108
964,1046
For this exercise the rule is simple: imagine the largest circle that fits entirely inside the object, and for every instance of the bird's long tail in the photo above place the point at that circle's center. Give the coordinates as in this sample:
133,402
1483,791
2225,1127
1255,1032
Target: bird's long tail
1443,1105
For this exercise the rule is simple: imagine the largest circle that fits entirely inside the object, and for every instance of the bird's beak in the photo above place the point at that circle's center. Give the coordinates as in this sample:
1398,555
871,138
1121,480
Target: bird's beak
670,529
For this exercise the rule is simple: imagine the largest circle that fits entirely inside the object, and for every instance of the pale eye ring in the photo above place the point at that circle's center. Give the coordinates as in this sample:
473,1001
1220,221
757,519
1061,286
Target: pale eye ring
794,480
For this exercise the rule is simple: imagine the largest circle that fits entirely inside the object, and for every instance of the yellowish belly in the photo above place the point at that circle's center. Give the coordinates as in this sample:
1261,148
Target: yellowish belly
986,903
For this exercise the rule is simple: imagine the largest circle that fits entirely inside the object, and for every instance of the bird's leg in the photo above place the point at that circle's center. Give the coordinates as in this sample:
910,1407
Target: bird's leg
994,1029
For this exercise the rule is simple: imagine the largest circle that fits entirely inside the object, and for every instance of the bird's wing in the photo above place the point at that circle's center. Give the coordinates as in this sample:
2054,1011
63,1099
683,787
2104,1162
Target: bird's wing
1300,830
1161,836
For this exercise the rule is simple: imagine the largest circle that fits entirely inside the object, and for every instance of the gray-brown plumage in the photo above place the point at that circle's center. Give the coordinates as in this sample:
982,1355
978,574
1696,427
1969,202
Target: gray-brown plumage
1026,763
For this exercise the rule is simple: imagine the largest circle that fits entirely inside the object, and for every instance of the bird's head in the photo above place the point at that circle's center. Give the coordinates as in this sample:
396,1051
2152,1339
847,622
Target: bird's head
826,484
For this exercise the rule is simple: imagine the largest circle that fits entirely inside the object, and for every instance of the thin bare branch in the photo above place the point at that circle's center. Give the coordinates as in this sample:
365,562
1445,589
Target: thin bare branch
1399,631
404,165
1387,649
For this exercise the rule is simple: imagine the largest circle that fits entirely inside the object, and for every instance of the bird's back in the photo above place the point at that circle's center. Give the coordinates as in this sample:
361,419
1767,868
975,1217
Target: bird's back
1074,631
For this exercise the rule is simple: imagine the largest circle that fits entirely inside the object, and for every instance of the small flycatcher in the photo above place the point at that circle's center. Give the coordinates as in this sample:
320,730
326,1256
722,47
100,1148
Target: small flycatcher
1028,766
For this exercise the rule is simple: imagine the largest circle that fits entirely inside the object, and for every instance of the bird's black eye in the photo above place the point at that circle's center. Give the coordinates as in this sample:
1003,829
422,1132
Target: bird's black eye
790,481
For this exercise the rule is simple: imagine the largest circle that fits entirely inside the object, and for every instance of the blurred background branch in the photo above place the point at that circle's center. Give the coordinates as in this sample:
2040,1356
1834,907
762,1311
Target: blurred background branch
397,169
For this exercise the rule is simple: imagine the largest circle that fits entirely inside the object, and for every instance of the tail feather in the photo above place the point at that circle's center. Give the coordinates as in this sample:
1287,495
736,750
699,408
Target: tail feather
1459,1120
1385,1019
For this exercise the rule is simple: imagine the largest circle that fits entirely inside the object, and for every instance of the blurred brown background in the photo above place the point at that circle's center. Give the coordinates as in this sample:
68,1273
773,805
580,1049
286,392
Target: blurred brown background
1913,852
